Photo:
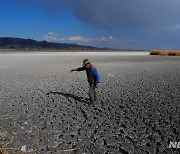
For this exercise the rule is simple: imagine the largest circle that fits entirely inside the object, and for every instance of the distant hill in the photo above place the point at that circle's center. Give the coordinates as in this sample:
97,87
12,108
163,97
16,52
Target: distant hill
30,44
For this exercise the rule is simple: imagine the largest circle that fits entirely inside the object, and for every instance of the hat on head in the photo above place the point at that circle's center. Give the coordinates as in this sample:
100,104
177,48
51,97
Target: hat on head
86,61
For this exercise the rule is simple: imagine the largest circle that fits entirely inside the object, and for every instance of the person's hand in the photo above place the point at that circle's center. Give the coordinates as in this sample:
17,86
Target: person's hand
97,85
72,70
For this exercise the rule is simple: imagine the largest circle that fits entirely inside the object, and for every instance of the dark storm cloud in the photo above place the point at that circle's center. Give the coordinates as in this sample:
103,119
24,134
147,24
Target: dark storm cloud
119,13
115,13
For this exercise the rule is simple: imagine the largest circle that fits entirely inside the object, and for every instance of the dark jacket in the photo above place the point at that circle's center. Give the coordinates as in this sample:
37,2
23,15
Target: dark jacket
92,74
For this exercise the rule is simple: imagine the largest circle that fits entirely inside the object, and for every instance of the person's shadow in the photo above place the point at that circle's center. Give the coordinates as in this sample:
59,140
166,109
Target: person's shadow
68,95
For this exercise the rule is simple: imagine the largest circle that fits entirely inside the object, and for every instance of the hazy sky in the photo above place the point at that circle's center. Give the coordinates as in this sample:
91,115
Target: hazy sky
125,24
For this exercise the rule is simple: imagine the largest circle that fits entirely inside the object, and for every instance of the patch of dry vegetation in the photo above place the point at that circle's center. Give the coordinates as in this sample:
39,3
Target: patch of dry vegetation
165,52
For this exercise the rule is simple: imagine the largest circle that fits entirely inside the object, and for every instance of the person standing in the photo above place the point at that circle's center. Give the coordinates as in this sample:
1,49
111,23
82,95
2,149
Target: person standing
93,78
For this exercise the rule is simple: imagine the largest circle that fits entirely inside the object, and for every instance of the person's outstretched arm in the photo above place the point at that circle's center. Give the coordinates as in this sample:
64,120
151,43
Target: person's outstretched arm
74,69
82,68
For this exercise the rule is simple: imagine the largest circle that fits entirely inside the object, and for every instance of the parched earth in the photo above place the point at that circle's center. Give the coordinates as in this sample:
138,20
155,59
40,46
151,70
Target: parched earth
44,108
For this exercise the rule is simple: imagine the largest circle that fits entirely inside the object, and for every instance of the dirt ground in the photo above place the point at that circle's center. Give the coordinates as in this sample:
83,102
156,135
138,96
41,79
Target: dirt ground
44,108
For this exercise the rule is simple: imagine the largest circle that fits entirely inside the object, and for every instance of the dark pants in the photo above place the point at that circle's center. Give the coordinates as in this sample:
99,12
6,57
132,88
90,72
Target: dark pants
92,93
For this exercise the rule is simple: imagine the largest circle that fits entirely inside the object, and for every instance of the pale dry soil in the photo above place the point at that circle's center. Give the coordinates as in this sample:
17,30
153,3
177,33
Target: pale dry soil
44,108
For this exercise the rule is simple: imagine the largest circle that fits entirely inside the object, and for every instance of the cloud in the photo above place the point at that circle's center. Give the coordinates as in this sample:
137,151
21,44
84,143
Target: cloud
78,38
174,28
114,14
104,39
53,37
112,39
50,36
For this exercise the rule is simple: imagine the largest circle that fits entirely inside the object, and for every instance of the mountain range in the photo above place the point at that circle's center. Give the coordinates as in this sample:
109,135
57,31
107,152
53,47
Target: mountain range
30,44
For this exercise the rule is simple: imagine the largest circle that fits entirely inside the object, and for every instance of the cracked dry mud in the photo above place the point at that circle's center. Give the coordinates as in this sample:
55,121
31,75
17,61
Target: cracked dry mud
44,107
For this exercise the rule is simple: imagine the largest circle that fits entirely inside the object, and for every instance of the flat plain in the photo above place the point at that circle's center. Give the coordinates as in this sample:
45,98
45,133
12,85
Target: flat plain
44,108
